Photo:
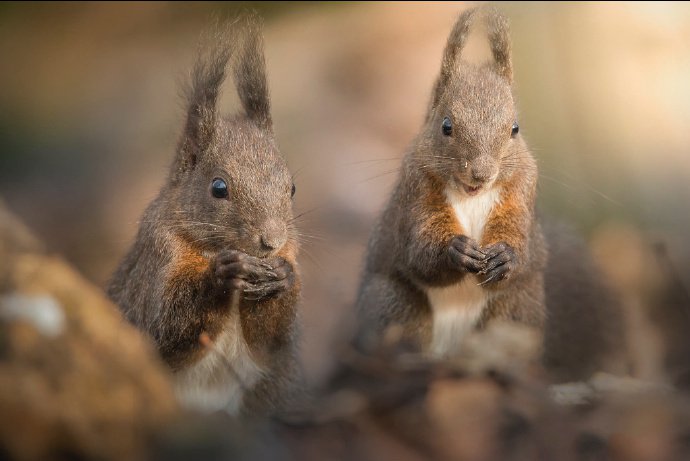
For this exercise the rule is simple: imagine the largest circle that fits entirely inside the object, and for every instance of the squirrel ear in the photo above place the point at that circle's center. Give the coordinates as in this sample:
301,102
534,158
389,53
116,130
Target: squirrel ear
202,94
499,39
250,74
454,46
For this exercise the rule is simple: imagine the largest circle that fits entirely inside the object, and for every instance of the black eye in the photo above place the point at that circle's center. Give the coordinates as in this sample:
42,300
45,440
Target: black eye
219,189
514,130
293,190
447,126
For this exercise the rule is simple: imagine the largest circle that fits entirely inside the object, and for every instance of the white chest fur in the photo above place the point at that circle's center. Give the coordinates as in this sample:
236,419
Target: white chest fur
219,380
457,308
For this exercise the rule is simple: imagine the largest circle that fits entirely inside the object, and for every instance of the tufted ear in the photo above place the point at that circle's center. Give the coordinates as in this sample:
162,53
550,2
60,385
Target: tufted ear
499,40
202,92
250,73
456,42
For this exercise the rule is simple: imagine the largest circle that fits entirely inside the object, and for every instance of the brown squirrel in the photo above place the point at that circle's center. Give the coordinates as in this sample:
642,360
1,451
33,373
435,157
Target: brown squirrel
212,276
459,243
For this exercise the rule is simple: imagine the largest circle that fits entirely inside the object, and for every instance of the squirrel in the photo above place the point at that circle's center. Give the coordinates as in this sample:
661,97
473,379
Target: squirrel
459,242
212,276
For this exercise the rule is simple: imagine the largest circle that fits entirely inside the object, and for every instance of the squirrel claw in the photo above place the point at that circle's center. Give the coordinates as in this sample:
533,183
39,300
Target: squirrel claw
466,255
481,284
499,263
255,278
496,275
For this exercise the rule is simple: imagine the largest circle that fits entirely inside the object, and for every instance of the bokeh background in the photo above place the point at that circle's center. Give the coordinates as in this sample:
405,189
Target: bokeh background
90,116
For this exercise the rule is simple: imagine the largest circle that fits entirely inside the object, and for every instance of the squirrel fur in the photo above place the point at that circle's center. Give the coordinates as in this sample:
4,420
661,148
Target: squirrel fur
459,243
212,276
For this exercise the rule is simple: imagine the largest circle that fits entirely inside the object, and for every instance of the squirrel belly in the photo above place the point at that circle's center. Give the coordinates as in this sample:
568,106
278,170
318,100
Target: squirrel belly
220,379
456,309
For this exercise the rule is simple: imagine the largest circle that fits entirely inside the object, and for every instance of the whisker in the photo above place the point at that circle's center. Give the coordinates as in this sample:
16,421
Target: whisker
304,213
311,258
375,160
584,184
385,173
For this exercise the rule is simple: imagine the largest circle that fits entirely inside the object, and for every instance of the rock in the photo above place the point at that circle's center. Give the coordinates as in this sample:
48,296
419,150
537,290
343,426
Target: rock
76,381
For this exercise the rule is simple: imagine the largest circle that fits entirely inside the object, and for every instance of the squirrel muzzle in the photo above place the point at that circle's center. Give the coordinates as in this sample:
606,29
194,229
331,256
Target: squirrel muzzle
273,237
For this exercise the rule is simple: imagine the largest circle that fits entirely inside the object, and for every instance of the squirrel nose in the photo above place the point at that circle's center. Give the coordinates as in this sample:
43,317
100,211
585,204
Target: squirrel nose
481,174
273,237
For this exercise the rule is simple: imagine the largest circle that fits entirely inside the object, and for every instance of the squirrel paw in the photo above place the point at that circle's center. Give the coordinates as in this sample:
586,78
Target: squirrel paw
280,279
256,278
466,254
500,261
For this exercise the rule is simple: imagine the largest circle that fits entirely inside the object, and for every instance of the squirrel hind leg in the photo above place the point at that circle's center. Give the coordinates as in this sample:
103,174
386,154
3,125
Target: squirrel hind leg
391,314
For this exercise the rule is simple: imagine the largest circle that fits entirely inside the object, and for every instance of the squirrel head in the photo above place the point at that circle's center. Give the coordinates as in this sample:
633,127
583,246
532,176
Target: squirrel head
471,129
229,185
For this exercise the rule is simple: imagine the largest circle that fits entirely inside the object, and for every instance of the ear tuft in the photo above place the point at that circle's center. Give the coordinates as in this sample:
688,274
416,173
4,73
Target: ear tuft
455,44
202,92
250,73
499,39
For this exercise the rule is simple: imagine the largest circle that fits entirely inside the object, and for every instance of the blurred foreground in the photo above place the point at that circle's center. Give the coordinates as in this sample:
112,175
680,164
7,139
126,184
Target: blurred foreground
77,382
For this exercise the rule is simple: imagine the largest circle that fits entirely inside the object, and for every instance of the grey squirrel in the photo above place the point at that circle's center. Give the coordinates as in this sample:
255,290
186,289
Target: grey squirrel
212,276
459,242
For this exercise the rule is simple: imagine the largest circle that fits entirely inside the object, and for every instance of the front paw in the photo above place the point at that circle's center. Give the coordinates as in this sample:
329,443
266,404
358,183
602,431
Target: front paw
281,277
500,262
466,255
255,277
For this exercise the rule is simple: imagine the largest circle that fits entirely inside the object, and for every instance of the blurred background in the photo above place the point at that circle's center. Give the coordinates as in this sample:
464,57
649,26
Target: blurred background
91,116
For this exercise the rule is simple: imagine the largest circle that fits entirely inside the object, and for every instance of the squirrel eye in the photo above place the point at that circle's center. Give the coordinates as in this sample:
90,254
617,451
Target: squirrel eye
219,189
292,191
447,126
514,130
